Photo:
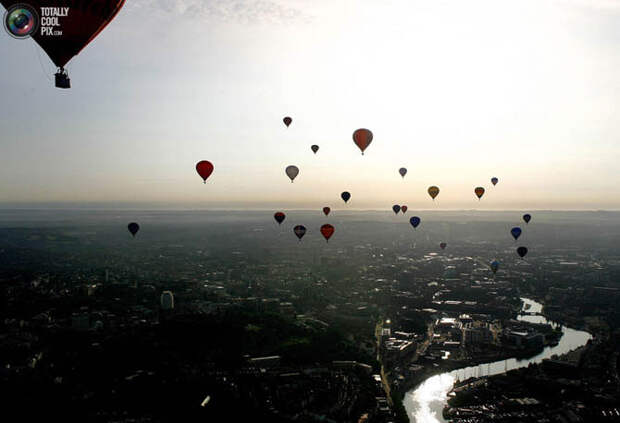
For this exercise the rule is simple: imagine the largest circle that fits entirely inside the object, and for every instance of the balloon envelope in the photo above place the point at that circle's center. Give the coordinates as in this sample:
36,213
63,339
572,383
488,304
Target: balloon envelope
204,169
292,172
396,208
327,230
279,217
300,231
403,209
433,191
527,218
522,251
494,266
84,20
516,232
494,181
362,138
479,191
345,196
133,228
326,210
415,221
287,121
402,171
442,245
314,148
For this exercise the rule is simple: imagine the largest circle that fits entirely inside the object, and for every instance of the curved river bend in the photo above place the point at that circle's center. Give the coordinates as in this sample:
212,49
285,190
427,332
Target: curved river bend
426,402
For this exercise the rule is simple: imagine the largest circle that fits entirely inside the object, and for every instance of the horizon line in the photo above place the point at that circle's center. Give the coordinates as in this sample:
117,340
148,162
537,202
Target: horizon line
152,207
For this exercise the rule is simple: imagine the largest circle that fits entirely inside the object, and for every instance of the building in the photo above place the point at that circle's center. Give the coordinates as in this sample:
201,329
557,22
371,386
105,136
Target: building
525,339
477,334
447,324
167,300
265,362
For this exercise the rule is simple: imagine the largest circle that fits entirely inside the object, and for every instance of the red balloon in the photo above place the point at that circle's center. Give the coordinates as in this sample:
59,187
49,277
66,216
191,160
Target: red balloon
362,137
204,169
79,22
326,210
403,209
279,217
287,121
443,245
327,230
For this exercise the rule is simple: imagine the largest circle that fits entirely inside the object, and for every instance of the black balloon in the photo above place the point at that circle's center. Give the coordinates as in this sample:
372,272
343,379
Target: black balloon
133,228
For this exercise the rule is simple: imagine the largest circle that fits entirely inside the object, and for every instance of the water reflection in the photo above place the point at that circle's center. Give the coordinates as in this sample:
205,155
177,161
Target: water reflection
426,403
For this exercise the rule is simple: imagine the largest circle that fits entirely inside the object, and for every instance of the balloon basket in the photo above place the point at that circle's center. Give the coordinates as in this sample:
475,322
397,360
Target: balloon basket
62,79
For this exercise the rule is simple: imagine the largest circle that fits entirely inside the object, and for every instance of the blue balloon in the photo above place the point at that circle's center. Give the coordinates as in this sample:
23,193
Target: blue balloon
516,232
415,221
345,196
494,266
396,208
527,217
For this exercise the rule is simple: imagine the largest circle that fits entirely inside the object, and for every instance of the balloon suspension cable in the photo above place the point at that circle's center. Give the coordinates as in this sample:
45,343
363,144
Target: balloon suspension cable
45,72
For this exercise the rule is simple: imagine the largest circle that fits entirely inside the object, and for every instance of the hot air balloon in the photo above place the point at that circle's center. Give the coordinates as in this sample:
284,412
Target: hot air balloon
479,191
204,169
415,221
300,231
362,138
527,218
326,210
133,228
62,32
396,208
287,121
279,217
433,191
522,251
494,266
314,148
292,172
403,209
516,232
402,171
442,245
494,181
327,230
345,196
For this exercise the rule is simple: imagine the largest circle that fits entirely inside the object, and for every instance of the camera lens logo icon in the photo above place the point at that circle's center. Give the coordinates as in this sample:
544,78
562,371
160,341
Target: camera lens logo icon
21,20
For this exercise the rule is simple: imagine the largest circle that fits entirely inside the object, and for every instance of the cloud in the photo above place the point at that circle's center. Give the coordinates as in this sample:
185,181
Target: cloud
239,11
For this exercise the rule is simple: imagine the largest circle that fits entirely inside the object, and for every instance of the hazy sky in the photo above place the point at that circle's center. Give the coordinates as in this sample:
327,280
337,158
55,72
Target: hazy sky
456,91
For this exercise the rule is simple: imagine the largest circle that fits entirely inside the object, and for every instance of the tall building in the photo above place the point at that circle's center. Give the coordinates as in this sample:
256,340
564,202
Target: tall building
167,300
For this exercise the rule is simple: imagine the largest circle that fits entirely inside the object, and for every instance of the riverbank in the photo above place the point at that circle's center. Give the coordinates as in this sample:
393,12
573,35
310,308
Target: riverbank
426,402
574,386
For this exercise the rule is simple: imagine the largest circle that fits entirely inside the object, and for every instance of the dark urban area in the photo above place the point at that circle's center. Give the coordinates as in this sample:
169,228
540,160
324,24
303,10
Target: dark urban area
227,316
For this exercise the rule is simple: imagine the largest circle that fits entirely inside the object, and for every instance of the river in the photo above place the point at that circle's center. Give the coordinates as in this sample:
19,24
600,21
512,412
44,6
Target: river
425,403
